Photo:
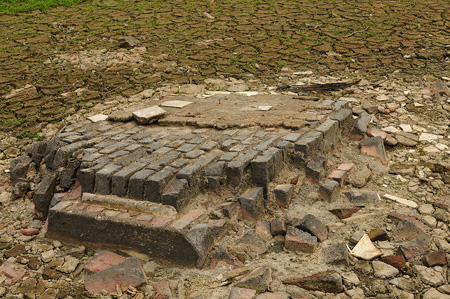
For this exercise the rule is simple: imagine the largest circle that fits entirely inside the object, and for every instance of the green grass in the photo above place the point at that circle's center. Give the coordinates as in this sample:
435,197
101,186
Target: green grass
12,7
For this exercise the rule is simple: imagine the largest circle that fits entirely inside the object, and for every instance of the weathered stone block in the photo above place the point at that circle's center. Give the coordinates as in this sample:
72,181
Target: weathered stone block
44,193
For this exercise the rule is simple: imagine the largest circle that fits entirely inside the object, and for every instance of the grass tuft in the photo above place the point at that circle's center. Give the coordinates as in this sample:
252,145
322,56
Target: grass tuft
12,7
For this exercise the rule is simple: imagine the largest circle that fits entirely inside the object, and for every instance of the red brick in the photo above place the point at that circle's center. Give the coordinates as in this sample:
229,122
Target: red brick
346,166
262,230
144,217
221,255
400,217
12,271
162,290
277,295
329,282
338,176
29,231
160,221
415,247
188,218
397,261
298,240
437,258
278,226
102,260
241,293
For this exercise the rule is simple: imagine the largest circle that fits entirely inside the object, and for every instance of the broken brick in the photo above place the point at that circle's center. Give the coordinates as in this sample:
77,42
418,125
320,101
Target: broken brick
329,282
437,258
297,240
312,225
328,190
102,260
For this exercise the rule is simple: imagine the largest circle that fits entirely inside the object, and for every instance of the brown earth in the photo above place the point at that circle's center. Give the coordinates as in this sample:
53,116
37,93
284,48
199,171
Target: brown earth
68,48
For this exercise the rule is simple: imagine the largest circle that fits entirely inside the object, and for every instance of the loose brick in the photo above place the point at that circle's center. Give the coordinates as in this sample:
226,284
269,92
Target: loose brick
338,176
155,184
312,225
162,290
235,169
252,203
38,152
69,173
44,193
262,230
188,218
362,196
297,240
374,146
87,179
283,195
360,127
102,260
330,131
278,226
397,261
344,212
176,194
242,293
335,254
119,180
309,145
103,178
316,169
406,230
415,247
276,295
221,255
328,190
19,168
437,258
251,242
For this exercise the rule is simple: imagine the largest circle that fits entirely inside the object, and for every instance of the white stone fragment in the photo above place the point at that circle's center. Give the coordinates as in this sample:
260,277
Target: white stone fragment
403,201
248,93
265,108
429,137
349,99
365,249
175,104
431,149
382,98
391,129
97,117
384,270
406,128
148,115
441,146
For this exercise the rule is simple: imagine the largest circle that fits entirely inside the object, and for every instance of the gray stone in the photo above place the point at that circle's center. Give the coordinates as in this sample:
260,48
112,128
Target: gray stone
265,167
384,270
266,143
259,279
44,193
187,147
69,173
209,145
19,168
113,147
64,153
38,152
194,154
148,115
335,254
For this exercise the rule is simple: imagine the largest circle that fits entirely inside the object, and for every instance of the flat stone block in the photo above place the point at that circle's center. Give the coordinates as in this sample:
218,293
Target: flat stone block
148,115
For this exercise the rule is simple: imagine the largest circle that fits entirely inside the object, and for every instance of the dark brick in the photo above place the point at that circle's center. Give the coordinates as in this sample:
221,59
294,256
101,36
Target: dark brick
103,178
69,173
329,282
297,240
378,235
278,226
328,190
64,153
283,195
341,105
155,184
312,225
360,127
192,171
252,242
330,131
162,151
201,237
133,157
238,148
338,176
187,147
262,230
163,161
136,184
397,261
228,156
176,194
406,230
221,255
292,137
235,169
309,145
118,154
209,145
114,147
316,169
335,254
265,167
252,203
44,193
344,117
344,212
52,146
374,146
228,143
266,143
119,180
194,154
87,179
228,209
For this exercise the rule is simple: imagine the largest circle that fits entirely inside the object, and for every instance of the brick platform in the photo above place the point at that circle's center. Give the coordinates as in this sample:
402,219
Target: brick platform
140,183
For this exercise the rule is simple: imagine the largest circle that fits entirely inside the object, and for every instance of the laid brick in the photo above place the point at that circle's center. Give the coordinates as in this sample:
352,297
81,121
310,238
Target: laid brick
162,151
238,148
209,145
297,240
252,203
155,184
87,179
52,147
114,147
103,178
236,167
156,145
312,225
328,190
187,147
283,195
191,171
194,154
179,163
64,153
228,156
69,173
292,137
309,145
162,161
119,180
266,143
265,167
228,143
316,169
330,131
44,193
176,194
136,183
344,117
187,219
